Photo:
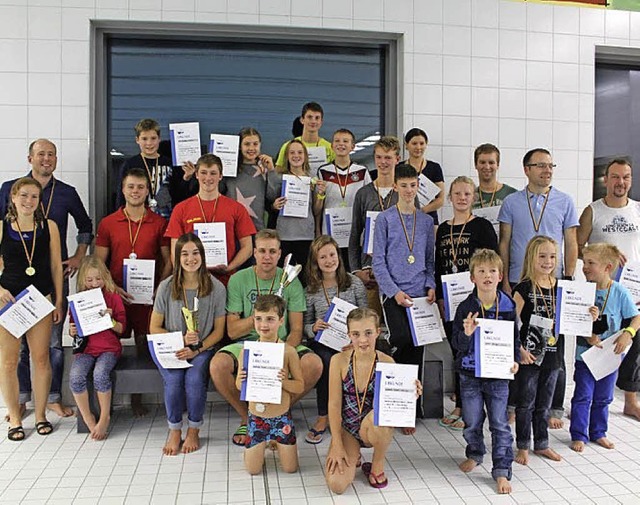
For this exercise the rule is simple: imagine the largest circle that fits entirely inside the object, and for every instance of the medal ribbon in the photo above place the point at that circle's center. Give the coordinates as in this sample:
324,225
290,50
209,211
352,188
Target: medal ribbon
362,401
497,309
537,288
24,244
493,196
53,188
536,224
215,209
454,250
255,272
404,229
343,188
132,239
326,295
383,204
156,176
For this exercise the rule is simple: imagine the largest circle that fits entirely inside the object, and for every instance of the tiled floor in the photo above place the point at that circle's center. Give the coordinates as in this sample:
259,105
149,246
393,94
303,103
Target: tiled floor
128,467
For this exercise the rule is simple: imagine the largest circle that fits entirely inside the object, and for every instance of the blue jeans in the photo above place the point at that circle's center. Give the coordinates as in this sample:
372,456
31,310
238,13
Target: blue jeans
494,393
186,387
56,357
590,404
535,388
102,367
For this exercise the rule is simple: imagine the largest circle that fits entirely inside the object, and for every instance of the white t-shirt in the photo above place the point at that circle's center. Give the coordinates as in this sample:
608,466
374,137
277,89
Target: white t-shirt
617,226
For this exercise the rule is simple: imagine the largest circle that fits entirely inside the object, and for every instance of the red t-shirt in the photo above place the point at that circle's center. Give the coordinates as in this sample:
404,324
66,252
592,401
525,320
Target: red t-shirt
113,233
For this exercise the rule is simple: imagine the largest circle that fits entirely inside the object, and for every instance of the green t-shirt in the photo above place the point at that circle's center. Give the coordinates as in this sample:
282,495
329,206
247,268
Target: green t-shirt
321,143
242,293
501,194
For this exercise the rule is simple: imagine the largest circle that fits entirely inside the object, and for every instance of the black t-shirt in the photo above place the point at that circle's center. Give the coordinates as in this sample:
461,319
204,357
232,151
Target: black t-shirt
535,339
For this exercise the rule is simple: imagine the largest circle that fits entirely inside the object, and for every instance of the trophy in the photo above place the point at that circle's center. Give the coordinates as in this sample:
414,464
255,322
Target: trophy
289,273
191,316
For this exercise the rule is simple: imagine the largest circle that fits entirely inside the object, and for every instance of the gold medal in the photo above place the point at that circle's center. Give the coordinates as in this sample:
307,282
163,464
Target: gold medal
411,259
30,271
133,256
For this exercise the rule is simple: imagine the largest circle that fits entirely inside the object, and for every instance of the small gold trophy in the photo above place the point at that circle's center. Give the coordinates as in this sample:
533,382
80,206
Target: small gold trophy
289,273
191,316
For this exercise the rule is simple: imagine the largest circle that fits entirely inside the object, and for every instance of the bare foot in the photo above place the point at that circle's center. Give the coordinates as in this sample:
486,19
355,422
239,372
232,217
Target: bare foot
606,443
577,445
61,410
101,429
504,486
512,418
172,445
23,411
408,431
549,453
467,465
522,457
90,421
555,423
632,411
138,409
191,441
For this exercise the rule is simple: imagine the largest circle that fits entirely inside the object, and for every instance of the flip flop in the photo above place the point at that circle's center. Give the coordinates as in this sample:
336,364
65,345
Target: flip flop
241,431
448,420
313,433
378,484
16,434
457,425
44,428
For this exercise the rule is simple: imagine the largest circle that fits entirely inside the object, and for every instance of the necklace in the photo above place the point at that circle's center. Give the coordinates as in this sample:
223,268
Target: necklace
361,401
497,308
133,239
53,188
606,299
215,209
493,196
341,186
546,307
384,202
255,272
30,271
411,259
536,224
326,294
454,250
153,180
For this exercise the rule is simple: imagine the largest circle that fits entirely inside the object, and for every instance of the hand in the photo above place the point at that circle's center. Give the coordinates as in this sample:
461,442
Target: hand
348,347
189,169
622,342
106,311
279,203
73,330
127,299
403,299
595,312
282,375
595,340
191,337
265,163
418,388
336,460
321,187
526,358
514,368
71,266
57,315
219,269
506,287
366,278
470,324
242,375
185,354
319,325
622,259
431,295
6,297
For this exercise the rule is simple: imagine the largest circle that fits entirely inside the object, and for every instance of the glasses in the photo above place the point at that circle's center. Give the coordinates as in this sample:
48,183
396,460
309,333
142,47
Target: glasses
541,165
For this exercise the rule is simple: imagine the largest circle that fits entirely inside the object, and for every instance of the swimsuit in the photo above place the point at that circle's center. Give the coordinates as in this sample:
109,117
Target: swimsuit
351,415
280,429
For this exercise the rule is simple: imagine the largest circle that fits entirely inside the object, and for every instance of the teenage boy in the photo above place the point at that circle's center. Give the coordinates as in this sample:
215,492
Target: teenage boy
169,185
491,192
135,232
319,149
342,180
403,264
242,290
209,206
375,197
477,393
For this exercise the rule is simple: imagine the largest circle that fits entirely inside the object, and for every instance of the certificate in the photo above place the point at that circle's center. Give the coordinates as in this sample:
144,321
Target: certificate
425,323
89,312
338,224
491,215
629,277
427,190
394,397
369,230
185,142
603,361
226,147
262,361
137,279
214,240
494,350
297,191
455,287
317,157
572,307
30,308
164,347
336,336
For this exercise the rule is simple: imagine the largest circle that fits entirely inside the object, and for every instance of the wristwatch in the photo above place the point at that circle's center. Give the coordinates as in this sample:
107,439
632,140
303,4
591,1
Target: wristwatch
195,347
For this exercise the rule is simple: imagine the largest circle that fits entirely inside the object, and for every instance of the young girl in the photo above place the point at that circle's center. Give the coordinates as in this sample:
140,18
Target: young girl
30,249
296,233
541,352
188,386
99,351
326,278
456,241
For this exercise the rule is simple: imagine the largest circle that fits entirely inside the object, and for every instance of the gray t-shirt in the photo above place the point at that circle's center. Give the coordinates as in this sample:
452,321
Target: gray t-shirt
294,228
210,307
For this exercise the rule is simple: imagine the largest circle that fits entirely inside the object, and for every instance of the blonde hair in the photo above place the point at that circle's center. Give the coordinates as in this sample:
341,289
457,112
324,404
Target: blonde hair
286,169
485,257
362,313
12,212
604,252
531,253
93,261
463,179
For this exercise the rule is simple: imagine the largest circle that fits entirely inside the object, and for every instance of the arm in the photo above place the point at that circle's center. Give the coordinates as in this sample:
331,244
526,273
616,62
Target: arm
156,323
318,201
431,282
238,327
380,263
215,336
437,202
165,254
173,250
309,317
503,246
570,250
295,329
243,254
55,256
119,315
242,373
585,228
337,458
526,358
358,218
292,367
85,233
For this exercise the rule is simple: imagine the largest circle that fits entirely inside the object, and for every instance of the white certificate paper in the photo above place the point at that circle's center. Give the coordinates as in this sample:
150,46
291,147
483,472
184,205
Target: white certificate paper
185,142
425,323
137,279
214,240
338,224
572,307
455,288
317,157
226,147
336,336
297,191
603,362
164,347
427,190
30,308
369,231
394,400
629,277
262,361
491,215
494,350
86,307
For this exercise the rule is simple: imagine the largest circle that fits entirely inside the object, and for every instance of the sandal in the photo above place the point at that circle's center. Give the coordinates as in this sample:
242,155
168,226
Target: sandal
457,425
377,483
44,428
16,434
448,420
312,436
241,431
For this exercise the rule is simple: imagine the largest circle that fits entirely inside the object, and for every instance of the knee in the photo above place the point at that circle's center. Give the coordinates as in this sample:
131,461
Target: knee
289,466
337,483
10,362
102,381
312,364
77,383
41,361
221,368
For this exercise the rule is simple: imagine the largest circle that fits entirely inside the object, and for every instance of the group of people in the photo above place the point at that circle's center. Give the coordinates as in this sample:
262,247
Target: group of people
514,244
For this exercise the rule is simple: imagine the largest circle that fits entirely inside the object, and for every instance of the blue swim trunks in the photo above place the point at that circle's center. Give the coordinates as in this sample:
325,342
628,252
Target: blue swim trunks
280,429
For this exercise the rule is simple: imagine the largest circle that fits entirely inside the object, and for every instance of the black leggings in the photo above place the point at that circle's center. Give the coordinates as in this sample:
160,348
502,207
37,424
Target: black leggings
322,386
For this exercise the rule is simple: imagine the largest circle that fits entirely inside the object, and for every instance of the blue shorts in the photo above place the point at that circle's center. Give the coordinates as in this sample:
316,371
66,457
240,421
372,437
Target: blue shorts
280,429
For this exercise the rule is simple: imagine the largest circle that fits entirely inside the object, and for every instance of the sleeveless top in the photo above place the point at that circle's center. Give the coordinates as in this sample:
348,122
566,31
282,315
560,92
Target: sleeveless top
617,226
351,415
14,277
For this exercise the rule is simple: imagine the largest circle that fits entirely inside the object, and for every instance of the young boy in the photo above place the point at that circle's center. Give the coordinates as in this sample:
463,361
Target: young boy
591,398
272,423
477,394
403,264
168,185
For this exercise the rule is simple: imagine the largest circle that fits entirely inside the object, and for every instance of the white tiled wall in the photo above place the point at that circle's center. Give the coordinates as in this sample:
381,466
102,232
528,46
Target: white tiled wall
516,74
